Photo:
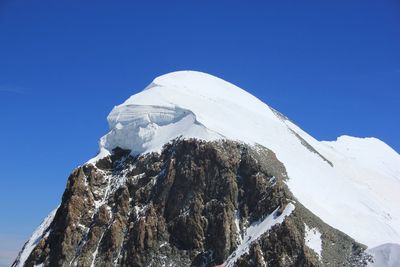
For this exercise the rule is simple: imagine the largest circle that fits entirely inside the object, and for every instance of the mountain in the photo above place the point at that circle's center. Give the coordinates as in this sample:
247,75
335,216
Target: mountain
197,172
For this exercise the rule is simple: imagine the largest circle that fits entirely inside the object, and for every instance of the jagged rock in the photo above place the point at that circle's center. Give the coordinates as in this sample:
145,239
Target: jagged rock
188,206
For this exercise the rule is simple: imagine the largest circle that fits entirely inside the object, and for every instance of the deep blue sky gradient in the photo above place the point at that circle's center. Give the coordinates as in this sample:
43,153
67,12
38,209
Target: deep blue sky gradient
331,66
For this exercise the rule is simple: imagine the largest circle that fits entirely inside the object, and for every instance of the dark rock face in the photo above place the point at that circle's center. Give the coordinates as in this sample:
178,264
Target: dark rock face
187,206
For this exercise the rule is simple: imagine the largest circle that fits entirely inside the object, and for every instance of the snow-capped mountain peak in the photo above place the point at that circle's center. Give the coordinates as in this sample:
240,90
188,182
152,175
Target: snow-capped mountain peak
233,182
187,103
335,180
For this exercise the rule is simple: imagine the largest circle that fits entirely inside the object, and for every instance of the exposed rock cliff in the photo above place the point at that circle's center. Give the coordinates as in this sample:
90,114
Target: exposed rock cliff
192,205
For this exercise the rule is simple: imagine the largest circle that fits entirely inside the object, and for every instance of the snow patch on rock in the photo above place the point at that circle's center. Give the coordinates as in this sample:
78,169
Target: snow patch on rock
313,240
256,230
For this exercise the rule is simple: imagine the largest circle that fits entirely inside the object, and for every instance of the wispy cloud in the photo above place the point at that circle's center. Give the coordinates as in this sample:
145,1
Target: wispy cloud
9,249
12,89
7,257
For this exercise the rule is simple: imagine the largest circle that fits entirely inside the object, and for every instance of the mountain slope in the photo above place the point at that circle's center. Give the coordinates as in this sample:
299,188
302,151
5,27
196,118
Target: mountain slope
341,194
111,204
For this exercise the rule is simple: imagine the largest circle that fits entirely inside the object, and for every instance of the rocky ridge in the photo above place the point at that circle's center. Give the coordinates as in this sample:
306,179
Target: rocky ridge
191,205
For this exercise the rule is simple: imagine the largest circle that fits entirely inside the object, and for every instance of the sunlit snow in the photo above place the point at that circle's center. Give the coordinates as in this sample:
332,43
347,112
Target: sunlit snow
358,195
313,240
256,230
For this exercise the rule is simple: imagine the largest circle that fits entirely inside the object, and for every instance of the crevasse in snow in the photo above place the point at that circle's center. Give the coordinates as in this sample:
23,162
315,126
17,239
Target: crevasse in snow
352,183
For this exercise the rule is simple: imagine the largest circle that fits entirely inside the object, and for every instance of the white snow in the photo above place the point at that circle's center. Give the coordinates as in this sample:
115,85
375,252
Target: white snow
237,224
145,128
386,255
35,238
256,230
94,254
313,240
358,195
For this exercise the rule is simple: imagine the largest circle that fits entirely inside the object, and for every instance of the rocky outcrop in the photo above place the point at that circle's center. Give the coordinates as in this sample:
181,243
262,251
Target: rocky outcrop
191,205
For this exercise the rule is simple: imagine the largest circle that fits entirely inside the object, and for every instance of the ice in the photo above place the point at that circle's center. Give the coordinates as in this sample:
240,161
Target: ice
146,128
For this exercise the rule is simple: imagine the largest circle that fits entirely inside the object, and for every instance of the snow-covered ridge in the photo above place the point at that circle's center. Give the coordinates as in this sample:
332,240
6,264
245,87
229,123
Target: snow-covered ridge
200,105
356,193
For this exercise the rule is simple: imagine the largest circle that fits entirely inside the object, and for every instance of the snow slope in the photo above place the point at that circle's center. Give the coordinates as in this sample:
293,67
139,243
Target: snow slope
353,184
387,255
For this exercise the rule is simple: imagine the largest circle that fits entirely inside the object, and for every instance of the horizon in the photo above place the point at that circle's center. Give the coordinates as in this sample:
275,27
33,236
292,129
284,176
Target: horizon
332,68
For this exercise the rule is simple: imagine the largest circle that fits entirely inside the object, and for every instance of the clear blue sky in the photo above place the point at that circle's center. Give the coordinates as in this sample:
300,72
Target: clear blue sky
331,66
